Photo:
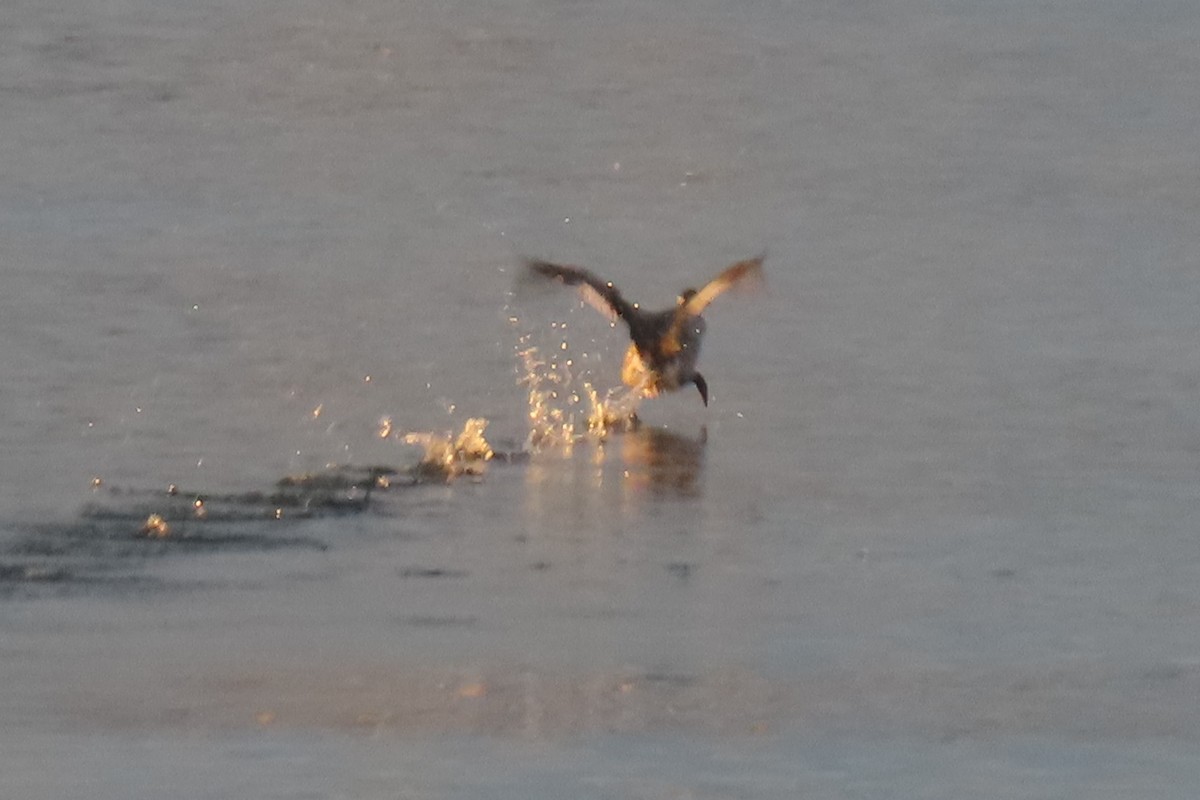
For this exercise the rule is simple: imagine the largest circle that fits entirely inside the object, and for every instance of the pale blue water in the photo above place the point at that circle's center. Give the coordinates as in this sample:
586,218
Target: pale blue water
934,537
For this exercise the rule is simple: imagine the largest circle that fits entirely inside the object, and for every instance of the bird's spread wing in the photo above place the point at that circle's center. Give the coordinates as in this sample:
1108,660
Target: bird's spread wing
599,294
748,270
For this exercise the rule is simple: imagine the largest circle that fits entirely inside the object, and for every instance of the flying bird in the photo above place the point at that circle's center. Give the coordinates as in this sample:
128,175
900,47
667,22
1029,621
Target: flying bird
666,344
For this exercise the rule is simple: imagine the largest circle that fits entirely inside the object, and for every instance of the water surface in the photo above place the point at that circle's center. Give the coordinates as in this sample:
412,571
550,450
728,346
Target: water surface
934,537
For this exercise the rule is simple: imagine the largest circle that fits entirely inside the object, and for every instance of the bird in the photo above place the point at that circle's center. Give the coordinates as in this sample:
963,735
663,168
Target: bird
665,344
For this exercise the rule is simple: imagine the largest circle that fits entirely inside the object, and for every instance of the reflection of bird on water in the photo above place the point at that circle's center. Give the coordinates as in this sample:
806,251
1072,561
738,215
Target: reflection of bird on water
666,343
663,461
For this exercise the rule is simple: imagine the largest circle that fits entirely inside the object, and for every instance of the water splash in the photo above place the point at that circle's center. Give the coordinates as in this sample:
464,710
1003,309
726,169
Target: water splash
564,409
448,456
550,423
156,527
616,412
564,406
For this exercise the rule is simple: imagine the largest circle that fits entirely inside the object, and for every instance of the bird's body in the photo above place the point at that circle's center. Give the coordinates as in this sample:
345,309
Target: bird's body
666,344
664,359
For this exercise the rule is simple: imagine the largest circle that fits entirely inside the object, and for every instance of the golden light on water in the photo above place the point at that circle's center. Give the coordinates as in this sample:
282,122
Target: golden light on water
557,417
155,527
448,456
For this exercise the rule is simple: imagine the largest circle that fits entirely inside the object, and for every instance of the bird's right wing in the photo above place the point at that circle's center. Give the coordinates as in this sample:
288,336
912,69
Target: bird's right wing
599,294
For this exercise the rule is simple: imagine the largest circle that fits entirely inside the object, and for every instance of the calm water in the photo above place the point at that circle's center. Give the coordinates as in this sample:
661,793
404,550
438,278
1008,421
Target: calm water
935,537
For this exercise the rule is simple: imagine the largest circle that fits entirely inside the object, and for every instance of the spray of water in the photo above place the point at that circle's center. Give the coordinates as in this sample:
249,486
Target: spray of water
448,456
564,410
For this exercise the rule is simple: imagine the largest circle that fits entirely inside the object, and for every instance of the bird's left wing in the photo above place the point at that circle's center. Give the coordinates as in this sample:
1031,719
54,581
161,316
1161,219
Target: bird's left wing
749,270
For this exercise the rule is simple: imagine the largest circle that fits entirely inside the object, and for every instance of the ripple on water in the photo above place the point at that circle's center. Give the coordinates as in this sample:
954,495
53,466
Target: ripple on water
120,529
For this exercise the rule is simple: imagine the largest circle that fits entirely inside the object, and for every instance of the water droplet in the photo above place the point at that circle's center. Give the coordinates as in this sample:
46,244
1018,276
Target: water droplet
155,527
